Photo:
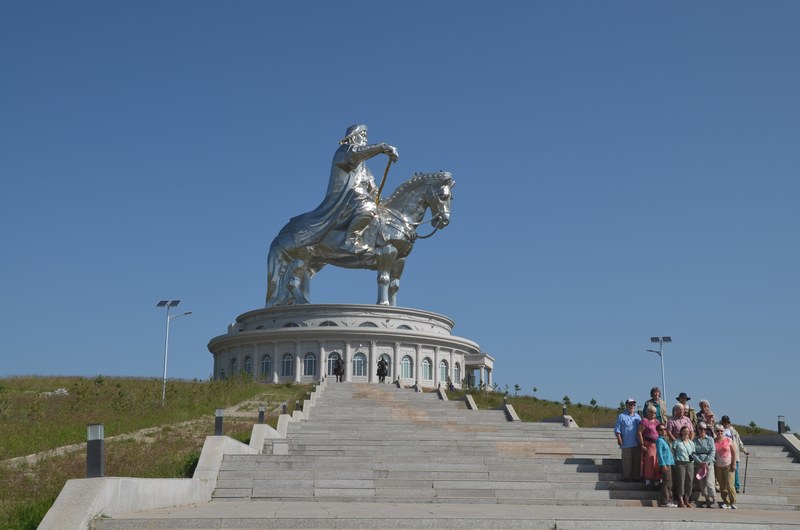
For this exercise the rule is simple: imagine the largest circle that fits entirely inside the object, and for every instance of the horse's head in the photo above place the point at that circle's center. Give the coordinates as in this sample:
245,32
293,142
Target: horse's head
421,192
439,196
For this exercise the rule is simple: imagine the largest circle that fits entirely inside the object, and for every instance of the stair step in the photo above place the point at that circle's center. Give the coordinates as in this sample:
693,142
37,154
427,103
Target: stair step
376,443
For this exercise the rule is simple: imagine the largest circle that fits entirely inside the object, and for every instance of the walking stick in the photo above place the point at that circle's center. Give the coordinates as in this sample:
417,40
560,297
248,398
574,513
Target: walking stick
744,482
380,189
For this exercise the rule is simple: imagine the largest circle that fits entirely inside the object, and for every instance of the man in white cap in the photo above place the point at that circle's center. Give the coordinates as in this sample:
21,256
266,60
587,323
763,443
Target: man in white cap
350,199
626,431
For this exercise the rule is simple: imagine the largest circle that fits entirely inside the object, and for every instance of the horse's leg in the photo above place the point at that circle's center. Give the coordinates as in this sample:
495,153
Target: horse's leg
296,278
384,261
394,280
306,285
277,266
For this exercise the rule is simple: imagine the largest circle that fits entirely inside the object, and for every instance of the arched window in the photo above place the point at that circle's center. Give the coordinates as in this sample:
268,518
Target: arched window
427,369
407,367
287,365
332,359
444,373
329,323
248,365
234,366
403,326
388,361
367,325
291,325
266,366
457,374
310,364
359,364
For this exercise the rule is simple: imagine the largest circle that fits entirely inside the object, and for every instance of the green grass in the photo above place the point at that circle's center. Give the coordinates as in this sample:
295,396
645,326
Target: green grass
31,423
530,408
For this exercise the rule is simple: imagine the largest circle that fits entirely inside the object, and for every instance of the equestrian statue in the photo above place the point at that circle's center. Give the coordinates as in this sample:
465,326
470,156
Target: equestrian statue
353,228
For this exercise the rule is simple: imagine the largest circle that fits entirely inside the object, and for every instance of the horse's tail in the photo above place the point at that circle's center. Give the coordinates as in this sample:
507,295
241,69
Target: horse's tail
276,267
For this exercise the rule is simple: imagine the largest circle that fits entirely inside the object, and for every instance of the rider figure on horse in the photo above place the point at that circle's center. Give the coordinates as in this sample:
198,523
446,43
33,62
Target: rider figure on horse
350,198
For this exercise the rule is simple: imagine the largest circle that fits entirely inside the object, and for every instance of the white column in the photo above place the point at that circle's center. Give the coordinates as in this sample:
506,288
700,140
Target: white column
489,376
298,364
322,367
417,376
348,362
436,362
372,370
451,369
275,363
396,361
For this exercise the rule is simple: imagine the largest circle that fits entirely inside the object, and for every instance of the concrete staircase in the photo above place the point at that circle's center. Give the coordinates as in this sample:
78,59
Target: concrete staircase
773,475
378,443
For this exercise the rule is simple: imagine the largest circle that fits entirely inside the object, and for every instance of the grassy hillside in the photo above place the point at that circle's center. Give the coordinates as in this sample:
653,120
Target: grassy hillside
34,420
530,408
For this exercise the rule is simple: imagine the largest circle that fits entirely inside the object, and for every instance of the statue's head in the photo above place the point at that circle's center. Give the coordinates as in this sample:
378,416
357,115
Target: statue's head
355,134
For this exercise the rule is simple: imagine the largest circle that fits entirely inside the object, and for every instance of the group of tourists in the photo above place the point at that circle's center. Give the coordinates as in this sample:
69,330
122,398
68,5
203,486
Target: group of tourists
685,452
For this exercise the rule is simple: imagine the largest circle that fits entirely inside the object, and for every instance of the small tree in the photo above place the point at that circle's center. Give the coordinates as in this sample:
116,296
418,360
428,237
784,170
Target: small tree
566,401
753,428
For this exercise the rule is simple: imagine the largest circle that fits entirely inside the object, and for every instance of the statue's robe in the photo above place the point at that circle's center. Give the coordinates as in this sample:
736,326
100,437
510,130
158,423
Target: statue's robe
349,172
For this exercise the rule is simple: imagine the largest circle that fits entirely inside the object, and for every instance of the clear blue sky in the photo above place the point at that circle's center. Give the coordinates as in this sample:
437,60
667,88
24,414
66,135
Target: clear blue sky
624,169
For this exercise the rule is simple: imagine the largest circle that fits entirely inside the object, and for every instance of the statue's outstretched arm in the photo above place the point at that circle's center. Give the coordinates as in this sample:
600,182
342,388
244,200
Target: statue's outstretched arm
364,152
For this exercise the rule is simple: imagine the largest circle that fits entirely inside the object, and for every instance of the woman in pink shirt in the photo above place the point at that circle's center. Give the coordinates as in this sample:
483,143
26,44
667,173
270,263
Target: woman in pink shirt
725,467
647,441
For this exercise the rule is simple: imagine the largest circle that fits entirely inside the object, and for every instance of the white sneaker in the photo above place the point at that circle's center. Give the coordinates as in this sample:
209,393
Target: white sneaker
725,507
733,506
672,505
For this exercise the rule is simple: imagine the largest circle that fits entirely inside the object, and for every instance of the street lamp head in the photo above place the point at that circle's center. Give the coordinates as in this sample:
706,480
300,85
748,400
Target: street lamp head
173,317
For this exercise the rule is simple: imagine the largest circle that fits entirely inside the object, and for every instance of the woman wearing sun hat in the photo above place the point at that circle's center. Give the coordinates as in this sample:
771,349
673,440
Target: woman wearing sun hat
684,399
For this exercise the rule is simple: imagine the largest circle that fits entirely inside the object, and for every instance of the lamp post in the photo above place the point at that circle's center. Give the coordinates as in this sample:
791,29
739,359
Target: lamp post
660,351
168,304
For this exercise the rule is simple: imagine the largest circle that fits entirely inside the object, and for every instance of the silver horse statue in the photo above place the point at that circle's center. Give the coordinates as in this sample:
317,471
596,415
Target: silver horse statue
389,236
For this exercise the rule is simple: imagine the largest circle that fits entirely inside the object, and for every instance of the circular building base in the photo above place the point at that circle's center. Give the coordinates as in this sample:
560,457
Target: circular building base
300,343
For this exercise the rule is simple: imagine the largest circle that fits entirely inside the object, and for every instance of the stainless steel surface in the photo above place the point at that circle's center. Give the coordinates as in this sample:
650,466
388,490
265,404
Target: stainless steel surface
349,230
